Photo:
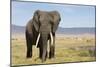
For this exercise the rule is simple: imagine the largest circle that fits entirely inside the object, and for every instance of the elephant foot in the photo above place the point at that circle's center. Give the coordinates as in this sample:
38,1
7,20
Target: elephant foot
29,53
40,57
29,56
51,54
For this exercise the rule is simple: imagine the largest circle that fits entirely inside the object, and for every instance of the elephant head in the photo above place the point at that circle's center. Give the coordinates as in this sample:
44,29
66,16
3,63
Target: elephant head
45,25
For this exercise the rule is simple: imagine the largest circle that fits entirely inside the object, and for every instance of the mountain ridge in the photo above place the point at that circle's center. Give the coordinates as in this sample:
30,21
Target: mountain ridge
60,30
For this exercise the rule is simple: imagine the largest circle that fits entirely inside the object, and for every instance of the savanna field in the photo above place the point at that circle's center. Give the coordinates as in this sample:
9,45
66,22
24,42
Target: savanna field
68,48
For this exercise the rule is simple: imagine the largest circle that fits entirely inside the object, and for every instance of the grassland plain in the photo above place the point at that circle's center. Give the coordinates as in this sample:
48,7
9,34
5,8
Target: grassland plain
69,48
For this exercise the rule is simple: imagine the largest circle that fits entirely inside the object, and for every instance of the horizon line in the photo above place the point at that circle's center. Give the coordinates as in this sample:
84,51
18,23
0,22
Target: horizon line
59,26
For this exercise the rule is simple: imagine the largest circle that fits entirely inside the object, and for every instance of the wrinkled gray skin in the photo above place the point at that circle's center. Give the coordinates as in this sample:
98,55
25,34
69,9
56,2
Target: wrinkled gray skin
43,22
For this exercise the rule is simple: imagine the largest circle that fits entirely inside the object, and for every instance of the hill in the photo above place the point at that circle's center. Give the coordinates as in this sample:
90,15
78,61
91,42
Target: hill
88,30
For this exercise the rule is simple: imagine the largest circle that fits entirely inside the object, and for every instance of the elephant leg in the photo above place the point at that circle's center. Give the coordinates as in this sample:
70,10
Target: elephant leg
29,51
52,48
29,47
40,52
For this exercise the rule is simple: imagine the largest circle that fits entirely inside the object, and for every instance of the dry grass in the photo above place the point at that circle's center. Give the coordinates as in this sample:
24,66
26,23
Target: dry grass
68,49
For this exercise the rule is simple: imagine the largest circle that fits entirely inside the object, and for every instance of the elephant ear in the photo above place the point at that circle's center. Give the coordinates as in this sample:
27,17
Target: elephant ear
36,20
55,20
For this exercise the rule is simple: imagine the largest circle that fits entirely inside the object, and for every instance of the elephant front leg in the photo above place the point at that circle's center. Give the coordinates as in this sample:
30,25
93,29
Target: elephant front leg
29,51
40,52
52,48
29,44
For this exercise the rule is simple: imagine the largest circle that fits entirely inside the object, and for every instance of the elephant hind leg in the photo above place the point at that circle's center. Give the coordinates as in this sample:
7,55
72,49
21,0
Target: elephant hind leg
52,48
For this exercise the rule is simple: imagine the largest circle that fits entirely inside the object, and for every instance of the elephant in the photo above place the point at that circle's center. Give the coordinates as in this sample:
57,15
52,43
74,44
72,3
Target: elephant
40,30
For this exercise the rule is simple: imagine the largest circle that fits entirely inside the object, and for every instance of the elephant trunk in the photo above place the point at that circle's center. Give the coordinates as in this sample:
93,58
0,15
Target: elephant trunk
44,37
37,41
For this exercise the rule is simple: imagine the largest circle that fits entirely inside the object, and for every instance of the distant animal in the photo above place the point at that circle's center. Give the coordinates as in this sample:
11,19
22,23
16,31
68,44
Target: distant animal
41,29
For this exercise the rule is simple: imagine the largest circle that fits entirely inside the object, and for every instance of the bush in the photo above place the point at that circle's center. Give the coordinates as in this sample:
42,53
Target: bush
86,53
83,53
92,53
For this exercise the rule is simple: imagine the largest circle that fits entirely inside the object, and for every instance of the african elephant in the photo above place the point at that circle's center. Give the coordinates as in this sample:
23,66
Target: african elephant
41,29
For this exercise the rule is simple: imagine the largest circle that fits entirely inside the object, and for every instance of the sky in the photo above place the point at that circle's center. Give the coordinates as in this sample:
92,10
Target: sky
71,15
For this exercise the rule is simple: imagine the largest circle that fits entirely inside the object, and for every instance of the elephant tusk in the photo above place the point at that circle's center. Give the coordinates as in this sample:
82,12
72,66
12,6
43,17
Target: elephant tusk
51,38
37,41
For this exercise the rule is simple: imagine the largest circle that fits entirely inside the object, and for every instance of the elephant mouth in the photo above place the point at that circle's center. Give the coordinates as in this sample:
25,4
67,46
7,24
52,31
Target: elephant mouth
38,37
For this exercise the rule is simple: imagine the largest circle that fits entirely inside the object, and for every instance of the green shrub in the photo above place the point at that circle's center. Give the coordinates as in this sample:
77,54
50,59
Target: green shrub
92,53
83,53
87,53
